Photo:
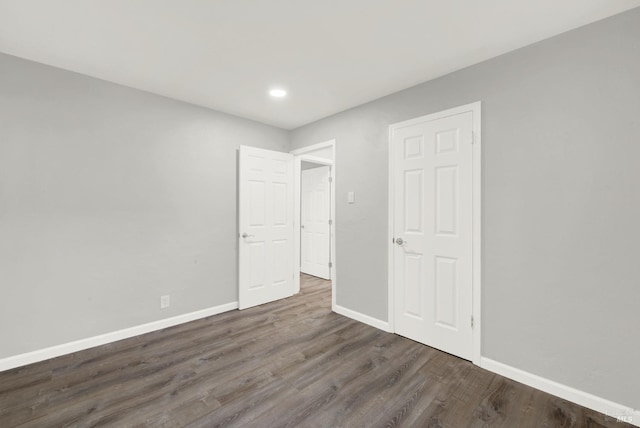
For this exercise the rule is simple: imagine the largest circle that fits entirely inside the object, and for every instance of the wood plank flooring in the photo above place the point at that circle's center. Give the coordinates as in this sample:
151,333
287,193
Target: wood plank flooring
291,363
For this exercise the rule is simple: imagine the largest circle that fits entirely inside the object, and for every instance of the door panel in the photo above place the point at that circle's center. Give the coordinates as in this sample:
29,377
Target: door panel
315,229
265,226
412,299
446,285
432,162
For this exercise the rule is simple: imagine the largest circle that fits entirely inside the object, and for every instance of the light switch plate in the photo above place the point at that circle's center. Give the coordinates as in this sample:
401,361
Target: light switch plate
351,197
164,302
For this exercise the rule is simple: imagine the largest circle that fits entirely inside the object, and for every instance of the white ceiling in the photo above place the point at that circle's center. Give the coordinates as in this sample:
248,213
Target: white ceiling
329,54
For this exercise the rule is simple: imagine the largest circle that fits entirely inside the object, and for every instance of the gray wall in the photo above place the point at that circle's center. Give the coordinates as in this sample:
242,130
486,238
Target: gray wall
109,198
561,202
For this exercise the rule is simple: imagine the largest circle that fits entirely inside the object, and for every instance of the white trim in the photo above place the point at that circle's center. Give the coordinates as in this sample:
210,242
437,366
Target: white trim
315,147
390,239
366,319
316,159
565,392
475,108
300,155
90,342
297,188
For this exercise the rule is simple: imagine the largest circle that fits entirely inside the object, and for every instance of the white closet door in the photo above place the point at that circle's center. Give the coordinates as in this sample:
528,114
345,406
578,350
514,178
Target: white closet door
433,232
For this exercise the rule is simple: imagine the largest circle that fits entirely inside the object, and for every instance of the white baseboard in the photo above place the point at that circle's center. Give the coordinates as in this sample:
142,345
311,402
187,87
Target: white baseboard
613,410
82,344
373,322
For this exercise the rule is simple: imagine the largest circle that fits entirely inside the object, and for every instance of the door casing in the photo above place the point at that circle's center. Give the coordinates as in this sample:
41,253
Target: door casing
306,153
475,109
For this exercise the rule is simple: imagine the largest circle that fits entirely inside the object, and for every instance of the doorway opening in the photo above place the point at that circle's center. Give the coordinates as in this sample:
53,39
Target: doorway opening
314,216
315,220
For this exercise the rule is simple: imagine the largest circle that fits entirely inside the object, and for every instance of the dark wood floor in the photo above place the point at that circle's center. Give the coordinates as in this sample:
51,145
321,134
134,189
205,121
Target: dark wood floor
291,363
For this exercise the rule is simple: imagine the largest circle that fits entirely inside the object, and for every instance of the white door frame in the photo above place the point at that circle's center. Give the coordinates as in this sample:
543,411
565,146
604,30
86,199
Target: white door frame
305,153
475,109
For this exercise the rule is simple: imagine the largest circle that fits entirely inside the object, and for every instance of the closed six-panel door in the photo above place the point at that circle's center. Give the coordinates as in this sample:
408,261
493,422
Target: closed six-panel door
432,250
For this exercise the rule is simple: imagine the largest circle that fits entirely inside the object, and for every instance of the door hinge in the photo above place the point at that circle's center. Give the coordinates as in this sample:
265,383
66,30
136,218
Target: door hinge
473,137
330,179
330,222
471,321
330,264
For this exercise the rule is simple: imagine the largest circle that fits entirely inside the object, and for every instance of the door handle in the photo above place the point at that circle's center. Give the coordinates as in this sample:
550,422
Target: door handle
245,235
400,241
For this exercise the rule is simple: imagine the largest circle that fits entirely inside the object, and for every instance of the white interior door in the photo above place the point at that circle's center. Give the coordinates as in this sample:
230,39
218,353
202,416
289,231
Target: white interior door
433,236
315,228
265,226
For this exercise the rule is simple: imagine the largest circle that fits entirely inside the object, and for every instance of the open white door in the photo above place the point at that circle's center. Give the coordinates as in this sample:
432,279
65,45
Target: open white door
315,226
265,226
433,230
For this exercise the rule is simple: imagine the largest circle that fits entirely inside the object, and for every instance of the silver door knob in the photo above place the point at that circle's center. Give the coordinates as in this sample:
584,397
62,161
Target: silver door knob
399,241
246,235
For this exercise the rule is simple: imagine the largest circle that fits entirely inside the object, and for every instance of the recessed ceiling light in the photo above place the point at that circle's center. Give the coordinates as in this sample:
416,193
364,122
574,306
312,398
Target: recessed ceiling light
278,93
